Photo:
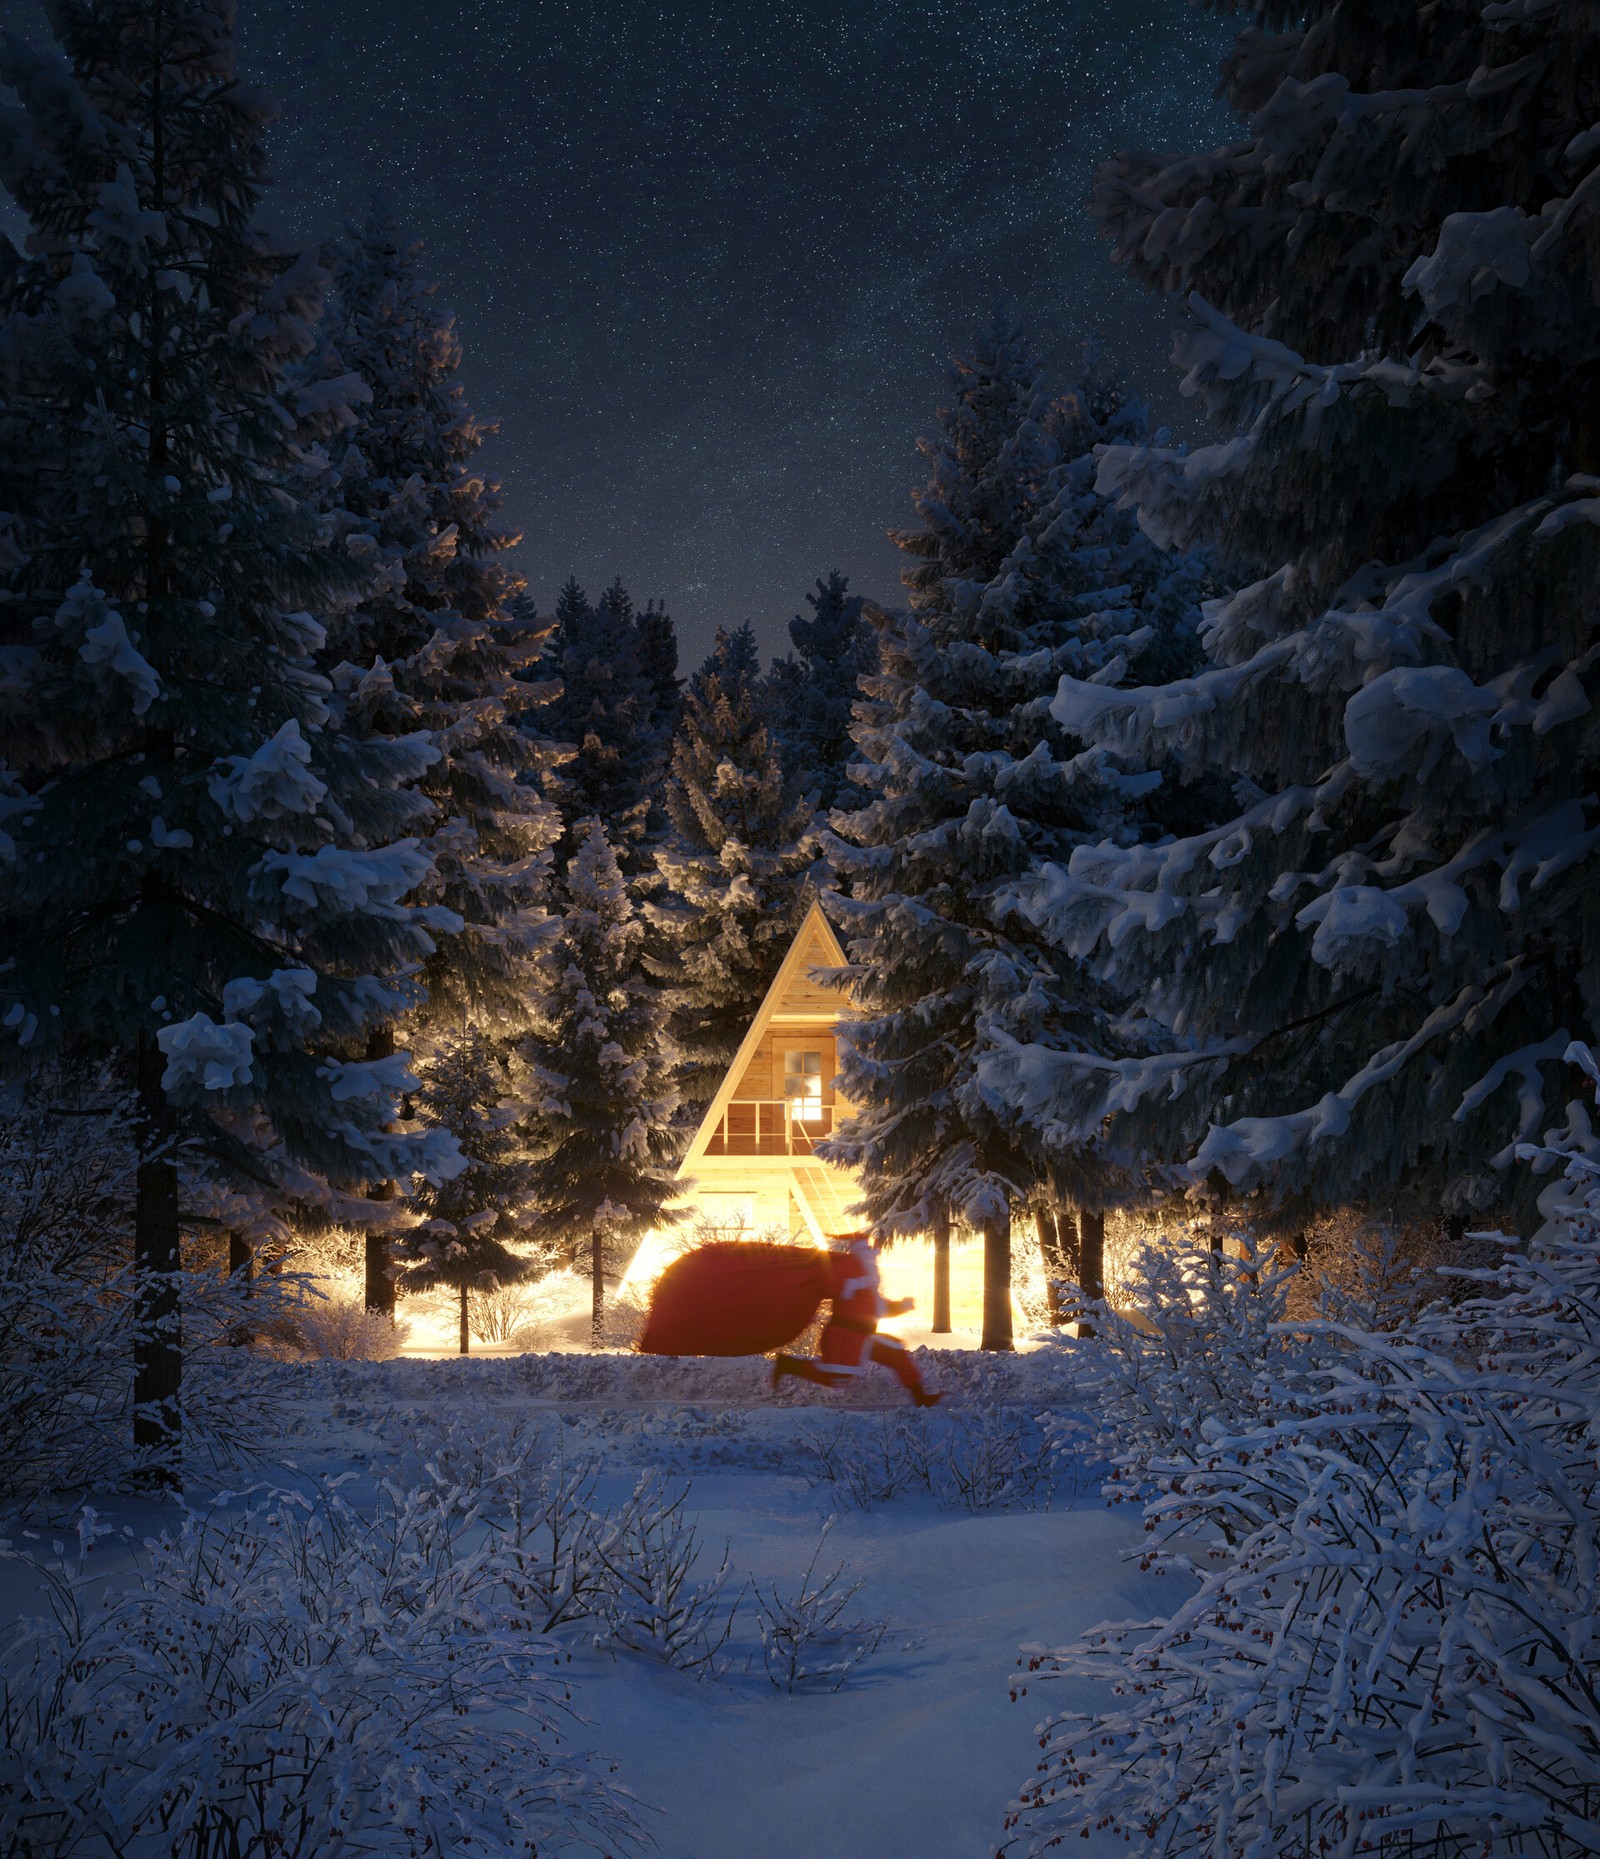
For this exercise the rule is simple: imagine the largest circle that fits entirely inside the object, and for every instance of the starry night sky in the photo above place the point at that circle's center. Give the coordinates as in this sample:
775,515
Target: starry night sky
708,257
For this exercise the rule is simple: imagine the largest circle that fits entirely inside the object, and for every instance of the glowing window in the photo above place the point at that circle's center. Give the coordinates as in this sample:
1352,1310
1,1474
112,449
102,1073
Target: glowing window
802,1085
728,1213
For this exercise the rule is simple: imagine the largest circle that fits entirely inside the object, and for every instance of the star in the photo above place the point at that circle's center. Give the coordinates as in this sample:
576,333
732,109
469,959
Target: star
709,257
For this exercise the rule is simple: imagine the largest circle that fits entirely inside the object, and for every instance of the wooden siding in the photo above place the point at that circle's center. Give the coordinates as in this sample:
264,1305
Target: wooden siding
802,995
763,1076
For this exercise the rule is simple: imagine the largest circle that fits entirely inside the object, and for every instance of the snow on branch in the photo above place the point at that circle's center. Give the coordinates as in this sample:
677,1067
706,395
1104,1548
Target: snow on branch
342,881
1251,1147
295,1664
104,643
203,1056
273,783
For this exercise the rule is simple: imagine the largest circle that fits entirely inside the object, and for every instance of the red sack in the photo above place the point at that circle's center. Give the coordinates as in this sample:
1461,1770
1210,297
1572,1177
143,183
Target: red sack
735,1298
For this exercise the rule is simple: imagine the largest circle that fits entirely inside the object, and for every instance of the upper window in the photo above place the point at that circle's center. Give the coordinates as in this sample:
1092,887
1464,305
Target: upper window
802,1085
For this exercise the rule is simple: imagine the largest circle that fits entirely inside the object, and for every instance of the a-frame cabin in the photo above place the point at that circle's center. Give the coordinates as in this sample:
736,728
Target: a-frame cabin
752,1166
753,1161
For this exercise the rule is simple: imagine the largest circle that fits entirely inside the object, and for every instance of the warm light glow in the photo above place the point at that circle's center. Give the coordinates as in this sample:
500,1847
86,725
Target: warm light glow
656,1252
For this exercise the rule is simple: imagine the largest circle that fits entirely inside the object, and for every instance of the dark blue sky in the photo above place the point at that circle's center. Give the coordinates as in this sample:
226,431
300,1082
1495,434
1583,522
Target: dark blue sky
708,259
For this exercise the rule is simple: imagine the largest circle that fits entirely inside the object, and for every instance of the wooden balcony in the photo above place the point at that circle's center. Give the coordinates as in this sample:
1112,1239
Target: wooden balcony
770,1126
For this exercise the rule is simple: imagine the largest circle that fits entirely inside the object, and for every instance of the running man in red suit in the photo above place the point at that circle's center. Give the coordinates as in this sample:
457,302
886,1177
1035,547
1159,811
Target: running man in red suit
850,1340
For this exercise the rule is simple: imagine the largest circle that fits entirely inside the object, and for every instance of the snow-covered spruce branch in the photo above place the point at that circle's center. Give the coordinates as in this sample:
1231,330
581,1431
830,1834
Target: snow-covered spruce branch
1401,1655
293,1676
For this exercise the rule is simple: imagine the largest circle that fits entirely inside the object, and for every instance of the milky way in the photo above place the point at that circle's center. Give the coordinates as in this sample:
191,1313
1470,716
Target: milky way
708,260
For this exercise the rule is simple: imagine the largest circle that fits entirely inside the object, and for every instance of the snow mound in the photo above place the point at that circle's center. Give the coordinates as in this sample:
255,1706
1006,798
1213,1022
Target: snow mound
1046,1376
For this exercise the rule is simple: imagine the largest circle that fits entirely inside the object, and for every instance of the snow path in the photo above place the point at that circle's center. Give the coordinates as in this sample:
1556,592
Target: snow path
921,1752
918,1756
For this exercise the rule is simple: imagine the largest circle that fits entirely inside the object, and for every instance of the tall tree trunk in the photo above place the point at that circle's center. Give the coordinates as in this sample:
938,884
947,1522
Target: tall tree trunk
597,1281
1058,1248
242,1268
997,1281
378,1282
1091,1258
940,1228
157,1257
378,1286
463,1319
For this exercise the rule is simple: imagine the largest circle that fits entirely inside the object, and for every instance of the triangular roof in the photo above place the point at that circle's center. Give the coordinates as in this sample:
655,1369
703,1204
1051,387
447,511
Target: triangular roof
815,930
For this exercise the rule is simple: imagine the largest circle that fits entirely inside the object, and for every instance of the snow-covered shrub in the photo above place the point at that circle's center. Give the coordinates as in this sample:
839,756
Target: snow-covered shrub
291,1677
974,1459
498,1314
336,1326
64,1349
866,1462
70,1314
649,1604
328,1319
983,1459
1377,1275
1400,1653
807,1638
624,1319
549,1535
539,1512
1198,1351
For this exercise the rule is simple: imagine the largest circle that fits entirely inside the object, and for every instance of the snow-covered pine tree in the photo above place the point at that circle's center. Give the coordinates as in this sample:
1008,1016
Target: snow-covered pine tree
810,693
202,882
735,655
611,711
466,1085
1394,316
970,785
733,872
600,1131
439,640
658,656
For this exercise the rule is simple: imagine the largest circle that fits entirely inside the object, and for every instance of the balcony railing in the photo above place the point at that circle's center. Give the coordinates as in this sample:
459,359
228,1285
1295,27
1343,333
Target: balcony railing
770,1126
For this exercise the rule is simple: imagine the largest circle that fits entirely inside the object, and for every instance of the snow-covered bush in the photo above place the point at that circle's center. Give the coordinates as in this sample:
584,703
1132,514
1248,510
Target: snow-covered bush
64,1363
974,1459
539,1512
1374,1274
71,1315
649,1604
549,1534
865,1462
336,1326
1198,1351
291,1677
807,1638
1400,1652
499,1313
987,1460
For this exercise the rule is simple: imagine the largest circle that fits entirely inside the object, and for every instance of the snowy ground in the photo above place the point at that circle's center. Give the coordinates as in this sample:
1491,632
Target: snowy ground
920,1752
